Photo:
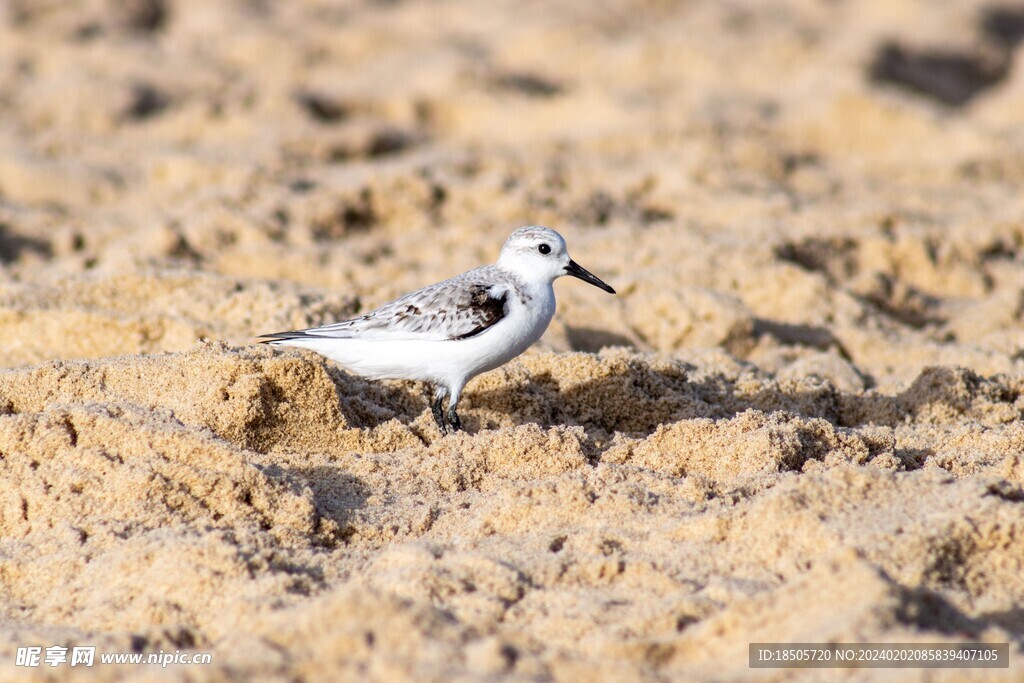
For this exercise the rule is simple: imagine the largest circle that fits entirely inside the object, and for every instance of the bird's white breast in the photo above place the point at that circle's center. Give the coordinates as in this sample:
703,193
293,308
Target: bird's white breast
530,313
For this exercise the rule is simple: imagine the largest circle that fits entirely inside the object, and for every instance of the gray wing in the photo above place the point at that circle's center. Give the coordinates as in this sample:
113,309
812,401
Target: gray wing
458,308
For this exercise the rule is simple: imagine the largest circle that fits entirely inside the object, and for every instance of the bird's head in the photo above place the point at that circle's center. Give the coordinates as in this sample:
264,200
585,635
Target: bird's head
537,253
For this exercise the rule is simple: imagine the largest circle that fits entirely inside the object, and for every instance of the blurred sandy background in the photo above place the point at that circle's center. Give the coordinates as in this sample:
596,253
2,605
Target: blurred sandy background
800,420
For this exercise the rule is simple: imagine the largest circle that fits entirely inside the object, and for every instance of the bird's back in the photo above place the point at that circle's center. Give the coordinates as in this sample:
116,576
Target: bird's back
456,308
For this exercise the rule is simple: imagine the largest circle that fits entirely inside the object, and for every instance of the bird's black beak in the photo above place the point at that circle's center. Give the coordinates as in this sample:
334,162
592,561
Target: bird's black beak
576,270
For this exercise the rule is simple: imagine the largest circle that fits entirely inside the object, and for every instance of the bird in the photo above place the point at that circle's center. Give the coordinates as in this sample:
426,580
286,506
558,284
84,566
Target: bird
449,332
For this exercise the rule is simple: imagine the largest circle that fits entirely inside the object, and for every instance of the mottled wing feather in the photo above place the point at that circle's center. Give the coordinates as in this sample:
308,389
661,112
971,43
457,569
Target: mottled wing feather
458,308
485,310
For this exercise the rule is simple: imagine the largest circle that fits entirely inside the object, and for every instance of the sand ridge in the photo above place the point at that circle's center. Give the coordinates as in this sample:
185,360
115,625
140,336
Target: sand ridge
278,490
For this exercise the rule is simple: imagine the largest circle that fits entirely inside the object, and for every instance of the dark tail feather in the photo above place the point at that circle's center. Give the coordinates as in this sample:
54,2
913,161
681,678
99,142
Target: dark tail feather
282,336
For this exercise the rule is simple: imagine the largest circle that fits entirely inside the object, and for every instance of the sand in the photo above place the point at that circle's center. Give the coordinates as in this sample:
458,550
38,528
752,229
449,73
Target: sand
801,419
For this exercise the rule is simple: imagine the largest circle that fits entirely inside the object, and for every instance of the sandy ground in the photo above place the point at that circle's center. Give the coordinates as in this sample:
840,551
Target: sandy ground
800,420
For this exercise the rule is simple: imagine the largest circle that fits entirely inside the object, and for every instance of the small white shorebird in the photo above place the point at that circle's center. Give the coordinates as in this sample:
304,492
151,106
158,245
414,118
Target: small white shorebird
452,331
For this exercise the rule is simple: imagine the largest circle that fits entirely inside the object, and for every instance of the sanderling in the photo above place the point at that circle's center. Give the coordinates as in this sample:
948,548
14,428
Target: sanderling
452,331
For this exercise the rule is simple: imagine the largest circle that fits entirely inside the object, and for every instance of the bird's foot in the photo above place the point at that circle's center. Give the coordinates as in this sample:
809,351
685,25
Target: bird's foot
447,422
453,419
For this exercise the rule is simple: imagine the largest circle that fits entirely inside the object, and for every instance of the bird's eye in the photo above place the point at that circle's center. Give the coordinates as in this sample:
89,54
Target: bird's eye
544,249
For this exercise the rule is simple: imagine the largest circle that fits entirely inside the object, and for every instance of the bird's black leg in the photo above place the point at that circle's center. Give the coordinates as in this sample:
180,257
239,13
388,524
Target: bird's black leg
438,408
453,419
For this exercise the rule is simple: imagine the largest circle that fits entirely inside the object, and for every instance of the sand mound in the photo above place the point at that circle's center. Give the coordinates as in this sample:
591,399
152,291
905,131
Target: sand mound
802,418
648,534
